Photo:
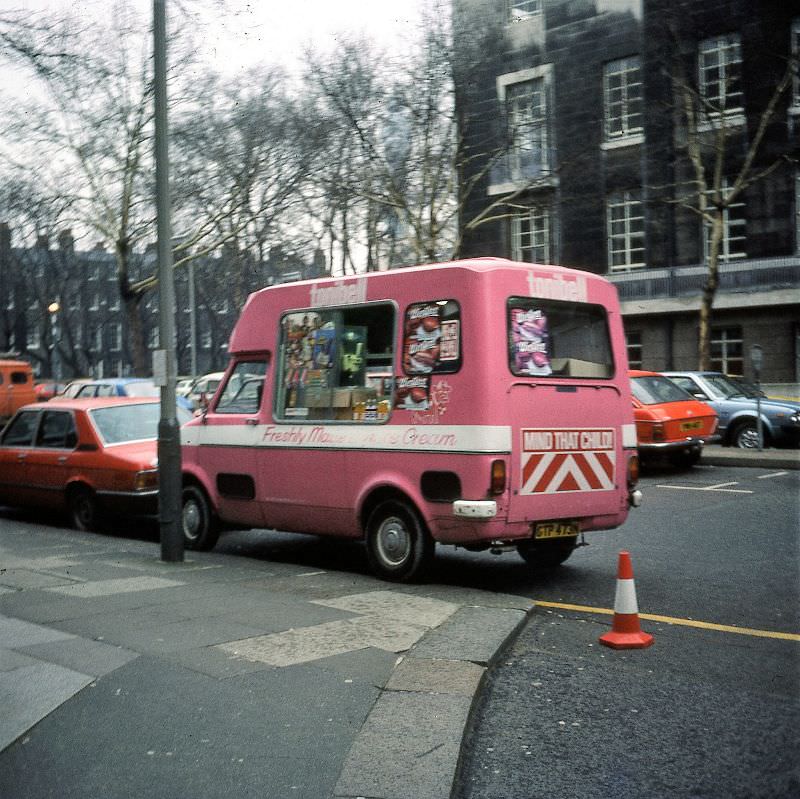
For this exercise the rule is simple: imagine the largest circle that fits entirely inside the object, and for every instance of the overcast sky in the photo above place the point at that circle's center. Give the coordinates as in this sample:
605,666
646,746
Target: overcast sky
240,33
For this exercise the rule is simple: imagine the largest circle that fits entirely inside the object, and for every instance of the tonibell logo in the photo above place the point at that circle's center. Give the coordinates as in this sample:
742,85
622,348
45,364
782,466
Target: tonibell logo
339,294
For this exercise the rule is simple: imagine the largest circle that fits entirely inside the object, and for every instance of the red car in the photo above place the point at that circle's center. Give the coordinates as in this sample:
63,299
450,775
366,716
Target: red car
85,456
46,391
669,421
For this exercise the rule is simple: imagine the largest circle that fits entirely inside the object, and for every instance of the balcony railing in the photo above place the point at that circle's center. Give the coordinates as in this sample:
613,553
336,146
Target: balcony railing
766,274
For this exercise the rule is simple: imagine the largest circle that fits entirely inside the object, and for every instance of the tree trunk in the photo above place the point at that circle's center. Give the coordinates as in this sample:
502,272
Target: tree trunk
709,291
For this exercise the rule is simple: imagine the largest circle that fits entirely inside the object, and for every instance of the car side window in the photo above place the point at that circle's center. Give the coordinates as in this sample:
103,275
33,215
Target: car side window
57,430
20,430
105,391
687,384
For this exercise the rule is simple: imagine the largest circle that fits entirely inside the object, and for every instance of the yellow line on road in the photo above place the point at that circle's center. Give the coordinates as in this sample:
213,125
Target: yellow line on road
703,625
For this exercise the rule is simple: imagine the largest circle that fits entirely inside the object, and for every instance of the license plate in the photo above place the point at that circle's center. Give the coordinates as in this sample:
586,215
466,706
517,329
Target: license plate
696,425
555,530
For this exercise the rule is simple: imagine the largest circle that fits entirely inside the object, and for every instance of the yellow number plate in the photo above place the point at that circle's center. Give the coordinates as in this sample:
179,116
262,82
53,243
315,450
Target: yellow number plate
696,425
555,530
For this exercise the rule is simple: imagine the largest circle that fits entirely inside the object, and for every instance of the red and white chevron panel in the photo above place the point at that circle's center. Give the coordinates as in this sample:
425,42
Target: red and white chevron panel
556,461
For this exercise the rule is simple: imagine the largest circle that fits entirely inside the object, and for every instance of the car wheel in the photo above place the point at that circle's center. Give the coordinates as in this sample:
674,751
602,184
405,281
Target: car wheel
83,510
199,524
547,554
745,435
399,547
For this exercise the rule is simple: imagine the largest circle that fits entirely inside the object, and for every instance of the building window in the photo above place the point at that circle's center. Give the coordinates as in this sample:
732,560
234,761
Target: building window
531,236
526,109
222,306
633,339
10,301
113,303
727,350
205,340
95,338
622,98
115,337
32,340
625,230
153,338
720,67
523,9
734,229
94,272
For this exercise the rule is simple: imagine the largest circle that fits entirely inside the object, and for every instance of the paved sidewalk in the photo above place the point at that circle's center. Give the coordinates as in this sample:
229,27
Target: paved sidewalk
124,676
716,455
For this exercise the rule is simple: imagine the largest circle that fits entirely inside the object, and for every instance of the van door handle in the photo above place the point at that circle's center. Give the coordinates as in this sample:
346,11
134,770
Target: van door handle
251,421
22,456
62,459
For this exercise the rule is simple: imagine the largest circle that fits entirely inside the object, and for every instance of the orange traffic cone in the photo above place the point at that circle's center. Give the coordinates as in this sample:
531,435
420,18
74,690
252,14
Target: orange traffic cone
625,631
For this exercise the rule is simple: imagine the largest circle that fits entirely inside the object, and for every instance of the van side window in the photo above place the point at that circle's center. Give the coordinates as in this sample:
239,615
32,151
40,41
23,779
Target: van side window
242,393
432,338
19,378
336,364
558,339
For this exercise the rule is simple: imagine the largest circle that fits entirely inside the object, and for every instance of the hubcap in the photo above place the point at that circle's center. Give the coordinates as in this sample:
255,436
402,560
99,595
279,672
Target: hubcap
191,520
748,438
393,541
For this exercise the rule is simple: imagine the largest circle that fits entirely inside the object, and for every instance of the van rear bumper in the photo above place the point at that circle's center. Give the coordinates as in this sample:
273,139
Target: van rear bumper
475,509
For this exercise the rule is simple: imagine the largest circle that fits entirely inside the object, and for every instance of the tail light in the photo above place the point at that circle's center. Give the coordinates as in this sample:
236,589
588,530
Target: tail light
658,431
714,425
633,471
497,483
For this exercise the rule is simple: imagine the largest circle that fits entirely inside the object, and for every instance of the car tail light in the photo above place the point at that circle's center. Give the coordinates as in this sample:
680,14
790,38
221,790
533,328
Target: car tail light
714,425
145,480
498,480
658,431
633,471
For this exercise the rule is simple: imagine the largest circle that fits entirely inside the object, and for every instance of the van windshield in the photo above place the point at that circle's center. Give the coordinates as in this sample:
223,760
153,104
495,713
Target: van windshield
558,339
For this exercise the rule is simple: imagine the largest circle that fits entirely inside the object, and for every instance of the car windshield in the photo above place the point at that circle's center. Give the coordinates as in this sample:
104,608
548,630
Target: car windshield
144,388
136,422
654,389
730,387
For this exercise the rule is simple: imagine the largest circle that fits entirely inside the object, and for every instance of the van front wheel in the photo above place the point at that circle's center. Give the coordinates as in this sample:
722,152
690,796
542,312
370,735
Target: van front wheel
399,547
200,526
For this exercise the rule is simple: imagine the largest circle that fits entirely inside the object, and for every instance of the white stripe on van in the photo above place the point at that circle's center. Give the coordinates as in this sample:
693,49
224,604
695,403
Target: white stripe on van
415,438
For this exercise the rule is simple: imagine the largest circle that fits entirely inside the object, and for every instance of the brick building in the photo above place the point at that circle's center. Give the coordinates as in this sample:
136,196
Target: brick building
575,110
90,326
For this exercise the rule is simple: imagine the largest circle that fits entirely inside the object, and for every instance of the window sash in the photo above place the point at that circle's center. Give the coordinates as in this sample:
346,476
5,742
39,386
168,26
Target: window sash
531,236
622,94
526,106
625,231
719,63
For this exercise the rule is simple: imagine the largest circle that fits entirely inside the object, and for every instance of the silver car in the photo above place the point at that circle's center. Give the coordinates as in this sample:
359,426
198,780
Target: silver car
736,401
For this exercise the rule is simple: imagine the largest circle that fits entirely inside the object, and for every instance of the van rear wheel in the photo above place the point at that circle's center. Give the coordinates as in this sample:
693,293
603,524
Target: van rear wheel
399,548
547,554
200,526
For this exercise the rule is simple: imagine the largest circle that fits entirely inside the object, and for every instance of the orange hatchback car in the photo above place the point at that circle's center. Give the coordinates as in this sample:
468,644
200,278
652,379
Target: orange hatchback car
85,456
670,422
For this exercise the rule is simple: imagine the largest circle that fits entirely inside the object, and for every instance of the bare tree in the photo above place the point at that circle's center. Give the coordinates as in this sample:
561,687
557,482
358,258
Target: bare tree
726,153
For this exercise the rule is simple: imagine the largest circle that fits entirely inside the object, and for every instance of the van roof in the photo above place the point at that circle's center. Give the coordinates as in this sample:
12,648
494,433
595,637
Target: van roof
15,364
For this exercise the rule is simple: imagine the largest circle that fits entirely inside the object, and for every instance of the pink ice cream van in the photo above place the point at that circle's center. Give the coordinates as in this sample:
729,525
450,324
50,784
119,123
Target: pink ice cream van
480,403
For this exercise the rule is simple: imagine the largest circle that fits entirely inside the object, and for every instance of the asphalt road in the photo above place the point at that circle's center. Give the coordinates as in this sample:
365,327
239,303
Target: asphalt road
707,711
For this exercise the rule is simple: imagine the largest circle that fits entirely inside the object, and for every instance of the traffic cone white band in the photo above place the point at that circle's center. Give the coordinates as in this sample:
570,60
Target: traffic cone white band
625,597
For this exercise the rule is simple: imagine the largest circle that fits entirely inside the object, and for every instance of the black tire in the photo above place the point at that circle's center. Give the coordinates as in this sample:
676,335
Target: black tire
745,435
199,524
685,460
546,554
84,513
399,547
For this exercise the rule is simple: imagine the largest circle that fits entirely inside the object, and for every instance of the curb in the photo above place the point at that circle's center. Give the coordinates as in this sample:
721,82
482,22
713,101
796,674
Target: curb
409,746
766,459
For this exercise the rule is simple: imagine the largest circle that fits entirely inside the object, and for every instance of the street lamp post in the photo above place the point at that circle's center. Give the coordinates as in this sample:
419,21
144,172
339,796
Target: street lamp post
55,360
757,359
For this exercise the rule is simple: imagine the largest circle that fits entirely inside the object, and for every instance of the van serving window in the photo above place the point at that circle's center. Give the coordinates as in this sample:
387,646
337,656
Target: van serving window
336,364
432,338
558,339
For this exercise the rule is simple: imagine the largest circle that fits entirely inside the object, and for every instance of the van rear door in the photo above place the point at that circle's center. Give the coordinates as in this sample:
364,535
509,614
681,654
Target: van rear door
566,412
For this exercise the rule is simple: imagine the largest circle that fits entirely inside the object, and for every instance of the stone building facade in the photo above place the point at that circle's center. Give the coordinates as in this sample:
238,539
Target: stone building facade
575,135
